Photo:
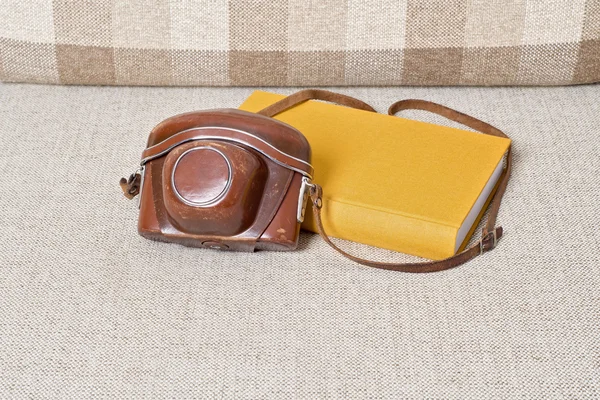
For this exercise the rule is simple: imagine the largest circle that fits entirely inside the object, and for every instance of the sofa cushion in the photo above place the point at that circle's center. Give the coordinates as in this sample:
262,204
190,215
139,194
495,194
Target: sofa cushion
243,42
89,309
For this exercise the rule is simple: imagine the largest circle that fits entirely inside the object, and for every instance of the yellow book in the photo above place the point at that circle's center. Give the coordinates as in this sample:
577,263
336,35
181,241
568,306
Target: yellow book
395,183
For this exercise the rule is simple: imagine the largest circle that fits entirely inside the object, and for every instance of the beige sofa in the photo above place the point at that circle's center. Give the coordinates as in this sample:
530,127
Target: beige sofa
88,309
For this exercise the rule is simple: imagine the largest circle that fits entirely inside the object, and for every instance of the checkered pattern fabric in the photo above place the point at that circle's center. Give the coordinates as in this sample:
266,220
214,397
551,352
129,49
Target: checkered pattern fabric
309,42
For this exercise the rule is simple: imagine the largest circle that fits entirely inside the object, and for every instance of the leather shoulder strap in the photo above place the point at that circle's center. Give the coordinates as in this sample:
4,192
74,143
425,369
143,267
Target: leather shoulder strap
314,94
490,234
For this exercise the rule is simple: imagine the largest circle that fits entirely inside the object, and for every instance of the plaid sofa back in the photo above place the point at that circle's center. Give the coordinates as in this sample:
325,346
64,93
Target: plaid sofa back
300,42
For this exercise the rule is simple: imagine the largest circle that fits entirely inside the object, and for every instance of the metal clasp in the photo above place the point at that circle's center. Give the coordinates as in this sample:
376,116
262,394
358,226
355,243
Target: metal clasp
141,170
303,198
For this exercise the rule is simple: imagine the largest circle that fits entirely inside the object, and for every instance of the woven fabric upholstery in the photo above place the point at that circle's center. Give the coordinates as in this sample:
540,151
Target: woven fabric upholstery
300,42
89,309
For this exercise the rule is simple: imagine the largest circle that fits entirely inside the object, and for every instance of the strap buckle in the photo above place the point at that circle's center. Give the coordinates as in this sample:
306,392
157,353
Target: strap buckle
488,242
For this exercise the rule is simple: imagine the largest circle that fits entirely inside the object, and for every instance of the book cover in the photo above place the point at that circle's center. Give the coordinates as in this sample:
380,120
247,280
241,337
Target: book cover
391,182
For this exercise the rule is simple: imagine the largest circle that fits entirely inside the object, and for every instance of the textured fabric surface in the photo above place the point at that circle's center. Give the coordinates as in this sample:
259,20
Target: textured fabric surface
300,42
88,309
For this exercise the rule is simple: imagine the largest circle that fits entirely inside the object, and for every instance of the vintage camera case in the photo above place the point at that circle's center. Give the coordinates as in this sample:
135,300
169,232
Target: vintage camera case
224,179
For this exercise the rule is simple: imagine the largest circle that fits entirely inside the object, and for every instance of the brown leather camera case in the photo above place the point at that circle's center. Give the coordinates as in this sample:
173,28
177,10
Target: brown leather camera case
224,179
